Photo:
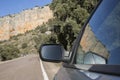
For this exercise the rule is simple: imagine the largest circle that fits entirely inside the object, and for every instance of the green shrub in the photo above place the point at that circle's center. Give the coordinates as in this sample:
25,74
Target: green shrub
24,45
42,28
8,52
14,37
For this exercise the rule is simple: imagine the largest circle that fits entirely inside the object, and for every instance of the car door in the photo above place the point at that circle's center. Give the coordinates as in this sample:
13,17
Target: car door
95,54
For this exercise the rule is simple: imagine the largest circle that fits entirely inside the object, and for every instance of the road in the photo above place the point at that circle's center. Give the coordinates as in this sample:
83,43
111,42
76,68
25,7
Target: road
51,69
25,68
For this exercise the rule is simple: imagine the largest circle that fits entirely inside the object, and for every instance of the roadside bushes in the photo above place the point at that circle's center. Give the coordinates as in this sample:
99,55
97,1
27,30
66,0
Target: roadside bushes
8,52
24,45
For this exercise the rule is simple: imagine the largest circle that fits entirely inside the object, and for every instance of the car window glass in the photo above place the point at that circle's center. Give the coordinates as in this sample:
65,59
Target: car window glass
101,36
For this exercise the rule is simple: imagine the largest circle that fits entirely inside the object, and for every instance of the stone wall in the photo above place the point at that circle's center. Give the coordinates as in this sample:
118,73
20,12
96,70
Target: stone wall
24,21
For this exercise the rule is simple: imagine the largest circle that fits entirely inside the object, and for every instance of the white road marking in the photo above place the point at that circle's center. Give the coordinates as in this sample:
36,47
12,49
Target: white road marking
45,76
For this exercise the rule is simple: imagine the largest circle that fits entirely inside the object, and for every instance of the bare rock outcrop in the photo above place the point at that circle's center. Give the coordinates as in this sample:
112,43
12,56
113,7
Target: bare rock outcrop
24,21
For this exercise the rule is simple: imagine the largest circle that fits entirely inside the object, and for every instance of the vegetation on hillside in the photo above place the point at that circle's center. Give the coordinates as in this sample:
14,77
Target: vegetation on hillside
8,52
69,17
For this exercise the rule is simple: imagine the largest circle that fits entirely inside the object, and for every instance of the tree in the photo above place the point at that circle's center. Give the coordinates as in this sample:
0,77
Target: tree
80,15
88,4
69,15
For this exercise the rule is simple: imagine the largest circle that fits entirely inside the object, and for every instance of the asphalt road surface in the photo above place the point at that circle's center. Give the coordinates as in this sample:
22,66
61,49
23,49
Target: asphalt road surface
25,68
51,69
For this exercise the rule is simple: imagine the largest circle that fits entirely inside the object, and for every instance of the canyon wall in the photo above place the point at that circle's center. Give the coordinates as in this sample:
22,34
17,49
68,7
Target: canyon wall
26,20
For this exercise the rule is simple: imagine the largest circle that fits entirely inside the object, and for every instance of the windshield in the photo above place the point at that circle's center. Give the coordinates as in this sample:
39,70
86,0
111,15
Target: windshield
102,35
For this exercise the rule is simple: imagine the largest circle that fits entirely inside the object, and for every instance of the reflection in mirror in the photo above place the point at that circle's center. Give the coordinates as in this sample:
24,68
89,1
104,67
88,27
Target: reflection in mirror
93,58
51,52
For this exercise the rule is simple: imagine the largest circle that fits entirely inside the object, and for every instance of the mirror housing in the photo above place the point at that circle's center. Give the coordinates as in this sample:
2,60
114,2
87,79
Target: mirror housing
51,52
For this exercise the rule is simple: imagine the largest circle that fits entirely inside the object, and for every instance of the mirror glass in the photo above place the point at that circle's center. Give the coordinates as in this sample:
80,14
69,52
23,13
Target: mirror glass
92,58
51,52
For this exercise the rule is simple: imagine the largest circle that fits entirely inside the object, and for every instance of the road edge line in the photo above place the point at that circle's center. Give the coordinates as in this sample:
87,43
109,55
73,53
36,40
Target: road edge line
45,76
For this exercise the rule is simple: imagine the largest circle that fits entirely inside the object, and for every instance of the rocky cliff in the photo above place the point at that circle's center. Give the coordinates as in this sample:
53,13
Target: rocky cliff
24,21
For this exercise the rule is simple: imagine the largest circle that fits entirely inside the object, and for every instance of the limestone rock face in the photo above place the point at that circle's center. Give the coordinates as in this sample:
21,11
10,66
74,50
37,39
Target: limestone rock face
24,21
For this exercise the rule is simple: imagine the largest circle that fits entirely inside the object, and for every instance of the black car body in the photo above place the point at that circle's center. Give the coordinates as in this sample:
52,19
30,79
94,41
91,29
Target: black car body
95,54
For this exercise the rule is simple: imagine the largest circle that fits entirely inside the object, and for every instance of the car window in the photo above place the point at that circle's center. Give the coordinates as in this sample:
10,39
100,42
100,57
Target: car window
101,36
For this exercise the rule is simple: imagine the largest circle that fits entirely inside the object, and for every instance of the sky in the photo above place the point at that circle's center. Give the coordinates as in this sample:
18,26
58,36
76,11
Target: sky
16,6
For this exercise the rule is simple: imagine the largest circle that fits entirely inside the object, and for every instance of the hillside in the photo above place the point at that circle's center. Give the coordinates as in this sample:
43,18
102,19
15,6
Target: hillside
69,17
24,21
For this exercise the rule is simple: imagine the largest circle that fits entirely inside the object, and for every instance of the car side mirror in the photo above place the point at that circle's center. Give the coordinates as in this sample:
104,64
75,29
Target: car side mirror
51,52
